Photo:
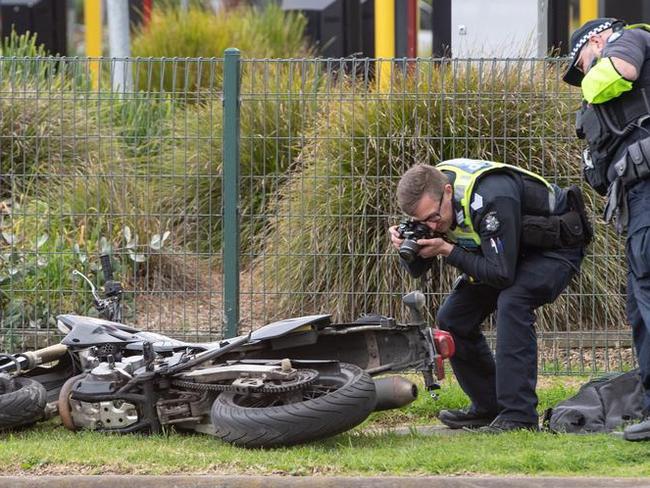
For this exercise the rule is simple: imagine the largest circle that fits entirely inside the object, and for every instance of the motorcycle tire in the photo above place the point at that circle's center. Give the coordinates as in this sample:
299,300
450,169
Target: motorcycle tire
335,403
22,402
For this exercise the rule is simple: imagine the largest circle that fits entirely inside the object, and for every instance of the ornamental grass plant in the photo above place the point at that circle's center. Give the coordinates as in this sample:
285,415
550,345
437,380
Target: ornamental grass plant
328,236
198,33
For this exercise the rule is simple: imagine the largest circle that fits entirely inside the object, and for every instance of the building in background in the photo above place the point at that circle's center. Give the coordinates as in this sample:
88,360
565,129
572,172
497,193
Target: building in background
47,18
343,28
499,28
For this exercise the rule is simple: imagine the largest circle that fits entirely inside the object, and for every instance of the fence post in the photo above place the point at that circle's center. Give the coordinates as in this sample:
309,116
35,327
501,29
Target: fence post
230,191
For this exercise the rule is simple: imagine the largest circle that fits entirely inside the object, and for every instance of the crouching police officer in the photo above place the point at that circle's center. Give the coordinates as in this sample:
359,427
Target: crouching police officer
518,240
610,64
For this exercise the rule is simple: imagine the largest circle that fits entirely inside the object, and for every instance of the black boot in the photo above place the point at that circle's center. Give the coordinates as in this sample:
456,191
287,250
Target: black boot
498,426
468,418
638,432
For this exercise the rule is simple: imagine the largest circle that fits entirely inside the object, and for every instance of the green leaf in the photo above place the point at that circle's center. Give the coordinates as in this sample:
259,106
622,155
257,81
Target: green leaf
81,255
138,258
157,242
126,231
41,240
104,246
10,238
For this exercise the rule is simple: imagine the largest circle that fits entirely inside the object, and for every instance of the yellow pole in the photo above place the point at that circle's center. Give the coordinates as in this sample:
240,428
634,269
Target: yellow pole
93,23
588,10
384,41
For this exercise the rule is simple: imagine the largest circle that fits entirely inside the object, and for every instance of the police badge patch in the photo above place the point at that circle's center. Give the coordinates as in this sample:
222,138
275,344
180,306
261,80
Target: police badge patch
477,203
491,222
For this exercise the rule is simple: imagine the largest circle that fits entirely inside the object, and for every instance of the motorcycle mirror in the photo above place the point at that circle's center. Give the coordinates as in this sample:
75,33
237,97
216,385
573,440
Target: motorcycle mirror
415,301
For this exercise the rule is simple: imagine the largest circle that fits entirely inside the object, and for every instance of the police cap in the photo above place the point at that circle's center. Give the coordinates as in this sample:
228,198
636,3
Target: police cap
579,39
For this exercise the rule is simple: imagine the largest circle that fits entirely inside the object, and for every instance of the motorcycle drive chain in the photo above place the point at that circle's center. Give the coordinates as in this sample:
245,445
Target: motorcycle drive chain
304,377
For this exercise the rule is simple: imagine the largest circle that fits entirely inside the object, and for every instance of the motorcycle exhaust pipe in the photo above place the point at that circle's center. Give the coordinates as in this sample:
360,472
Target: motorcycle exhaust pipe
394,392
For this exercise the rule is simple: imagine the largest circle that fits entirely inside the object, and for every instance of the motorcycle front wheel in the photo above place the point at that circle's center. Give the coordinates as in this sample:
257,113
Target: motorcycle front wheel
333,404
22,402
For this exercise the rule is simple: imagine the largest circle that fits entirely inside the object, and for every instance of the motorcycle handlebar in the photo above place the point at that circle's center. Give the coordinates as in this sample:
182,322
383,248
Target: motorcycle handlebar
107,269
45,355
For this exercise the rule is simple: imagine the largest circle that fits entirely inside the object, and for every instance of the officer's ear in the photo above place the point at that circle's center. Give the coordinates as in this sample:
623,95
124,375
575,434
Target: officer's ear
597,41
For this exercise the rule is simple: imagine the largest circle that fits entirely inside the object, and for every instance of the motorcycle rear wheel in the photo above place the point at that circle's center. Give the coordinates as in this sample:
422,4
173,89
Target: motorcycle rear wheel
335,403
22,402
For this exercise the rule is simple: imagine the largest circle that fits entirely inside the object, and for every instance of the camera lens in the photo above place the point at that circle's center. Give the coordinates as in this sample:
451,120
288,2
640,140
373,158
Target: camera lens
408,251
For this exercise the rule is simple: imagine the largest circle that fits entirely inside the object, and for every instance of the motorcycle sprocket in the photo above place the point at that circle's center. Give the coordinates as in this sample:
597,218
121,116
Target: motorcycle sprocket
304,377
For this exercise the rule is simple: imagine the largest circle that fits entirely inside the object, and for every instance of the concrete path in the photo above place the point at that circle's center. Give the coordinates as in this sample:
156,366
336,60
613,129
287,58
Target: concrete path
425,430
312,482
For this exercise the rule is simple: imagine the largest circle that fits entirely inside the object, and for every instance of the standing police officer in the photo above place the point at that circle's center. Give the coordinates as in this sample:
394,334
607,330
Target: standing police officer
518,240
610,64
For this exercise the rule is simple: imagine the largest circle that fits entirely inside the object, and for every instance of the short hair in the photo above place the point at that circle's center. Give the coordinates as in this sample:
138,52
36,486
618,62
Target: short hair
417,181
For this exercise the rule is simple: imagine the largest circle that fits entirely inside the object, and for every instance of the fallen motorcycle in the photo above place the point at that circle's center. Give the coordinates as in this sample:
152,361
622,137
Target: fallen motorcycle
289,382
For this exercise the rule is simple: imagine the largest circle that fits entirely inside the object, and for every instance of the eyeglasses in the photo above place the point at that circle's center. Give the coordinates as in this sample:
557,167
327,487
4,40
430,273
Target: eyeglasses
579,66
435,216
580,60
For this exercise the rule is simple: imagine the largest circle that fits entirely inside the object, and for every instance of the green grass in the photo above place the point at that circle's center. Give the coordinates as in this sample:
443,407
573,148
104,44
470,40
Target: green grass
53,450
424,410
49,449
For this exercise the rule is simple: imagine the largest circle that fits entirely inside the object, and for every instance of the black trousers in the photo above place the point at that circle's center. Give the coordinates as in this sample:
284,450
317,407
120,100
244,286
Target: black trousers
638,278
505,387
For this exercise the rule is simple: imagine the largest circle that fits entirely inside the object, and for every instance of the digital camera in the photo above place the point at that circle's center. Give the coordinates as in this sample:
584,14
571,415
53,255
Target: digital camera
411,231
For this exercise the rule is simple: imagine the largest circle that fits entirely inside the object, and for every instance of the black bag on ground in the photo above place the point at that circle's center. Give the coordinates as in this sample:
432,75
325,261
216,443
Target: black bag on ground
602,405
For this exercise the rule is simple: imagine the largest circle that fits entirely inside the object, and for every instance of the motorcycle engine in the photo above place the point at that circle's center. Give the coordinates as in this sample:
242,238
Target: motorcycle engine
103,380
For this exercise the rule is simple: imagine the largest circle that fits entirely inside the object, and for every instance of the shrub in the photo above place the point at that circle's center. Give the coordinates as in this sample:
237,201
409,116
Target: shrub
267,33
41,136
272,119
75,171
279,106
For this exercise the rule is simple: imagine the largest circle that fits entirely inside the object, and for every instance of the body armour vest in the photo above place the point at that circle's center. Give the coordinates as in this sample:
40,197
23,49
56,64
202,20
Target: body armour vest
538,195
606,125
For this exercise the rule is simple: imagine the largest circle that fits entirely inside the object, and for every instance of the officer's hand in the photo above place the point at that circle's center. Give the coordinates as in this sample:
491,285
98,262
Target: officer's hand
394,237
434,247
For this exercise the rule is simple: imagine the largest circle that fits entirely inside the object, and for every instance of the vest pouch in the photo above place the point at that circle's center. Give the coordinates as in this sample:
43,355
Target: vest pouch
595,174
635,165
590,127
571,229
536,198
641,152
552,232
540,232
577,203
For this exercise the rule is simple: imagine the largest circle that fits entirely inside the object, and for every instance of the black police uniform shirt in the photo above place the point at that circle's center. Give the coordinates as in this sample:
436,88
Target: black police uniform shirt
498,223
633,46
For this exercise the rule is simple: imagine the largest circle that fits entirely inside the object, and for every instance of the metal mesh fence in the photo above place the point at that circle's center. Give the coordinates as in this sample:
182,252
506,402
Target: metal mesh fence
88,169
322,146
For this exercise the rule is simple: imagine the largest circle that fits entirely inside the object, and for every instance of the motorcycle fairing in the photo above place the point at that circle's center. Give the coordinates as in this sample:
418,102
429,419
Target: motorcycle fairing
90,331
73,321
284,327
